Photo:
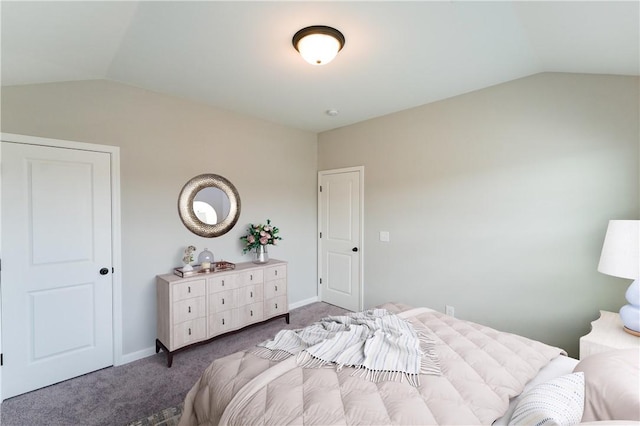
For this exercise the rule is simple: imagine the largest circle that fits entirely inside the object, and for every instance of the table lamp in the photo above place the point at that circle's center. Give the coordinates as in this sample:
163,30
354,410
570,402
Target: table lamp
621,258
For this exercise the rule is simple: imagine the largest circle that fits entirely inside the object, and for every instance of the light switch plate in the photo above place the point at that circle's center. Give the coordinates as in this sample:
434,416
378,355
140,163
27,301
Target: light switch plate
384,236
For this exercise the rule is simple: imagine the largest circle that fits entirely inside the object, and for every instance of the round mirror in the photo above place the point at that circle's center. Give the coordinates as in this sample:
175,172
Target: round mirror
209,205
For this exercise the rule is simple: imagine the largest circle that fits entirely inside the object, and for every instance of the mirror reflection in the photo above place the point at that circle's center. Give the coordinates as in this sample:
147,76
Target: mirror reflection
211,205
205,212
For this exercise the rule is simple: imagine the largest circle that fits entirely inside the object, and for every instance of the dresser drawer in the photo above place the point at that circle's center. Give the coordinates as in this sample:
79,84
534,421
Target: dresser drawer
275,288
188,289
189,309
222,322
275,306
222,301
249,314
222,283
250,294
189,332
275,273
254,276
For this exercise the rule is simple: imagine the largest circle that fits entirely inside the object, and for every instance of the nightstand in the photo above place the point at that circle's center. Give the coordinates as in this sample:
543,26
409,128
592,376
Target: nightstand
607,335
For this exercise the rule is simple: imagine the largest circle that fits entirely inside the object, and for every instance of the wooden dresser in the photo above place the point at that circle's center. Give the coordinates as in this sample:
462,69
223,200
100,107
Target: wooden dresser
201,307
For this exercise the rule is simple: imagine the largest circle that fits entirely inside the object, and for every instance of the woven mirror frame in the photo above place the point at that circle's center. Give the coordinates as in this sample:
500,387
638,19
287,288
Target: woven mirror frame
188,215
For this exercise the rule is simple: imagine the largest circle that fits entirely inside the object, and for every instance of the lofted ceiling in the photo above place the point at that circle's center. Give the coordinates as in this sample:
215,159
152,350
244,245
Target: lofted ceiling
238,56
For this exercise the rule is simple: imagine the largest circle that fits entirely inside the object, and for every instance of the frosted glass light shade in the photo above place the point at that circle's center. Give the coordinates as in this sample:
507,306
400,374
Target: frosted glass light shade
318,45
318,49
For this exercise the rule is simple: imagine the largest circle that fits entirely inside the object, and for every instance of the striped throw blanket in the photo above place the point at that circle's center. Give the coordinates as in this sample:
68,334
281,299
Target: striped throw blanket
378,344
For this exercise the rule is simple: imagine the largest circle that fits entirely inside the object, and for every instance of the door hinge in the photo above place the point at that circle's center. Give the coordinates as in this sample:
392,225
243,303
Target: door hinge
320,280
320,188
1,359
321,235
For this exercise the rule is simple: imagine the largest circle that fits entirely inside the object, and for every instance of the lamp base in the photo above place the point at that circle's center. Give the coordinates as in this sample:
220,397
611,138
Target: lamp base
630,331
630,313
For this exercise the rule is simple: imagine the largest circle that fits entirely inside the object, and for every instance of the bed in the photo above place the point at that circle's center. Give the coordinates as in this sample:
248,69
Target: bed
483,376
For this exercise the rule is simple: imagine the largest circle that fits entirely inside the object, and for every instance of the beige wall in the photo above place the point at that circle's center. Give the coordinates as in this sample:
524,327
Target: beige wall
497,201
164,142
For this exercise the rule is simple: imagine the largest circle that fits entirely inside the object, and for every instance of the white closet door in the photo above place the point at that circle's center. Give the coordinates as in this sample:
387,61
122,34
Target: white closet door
56,239
340,220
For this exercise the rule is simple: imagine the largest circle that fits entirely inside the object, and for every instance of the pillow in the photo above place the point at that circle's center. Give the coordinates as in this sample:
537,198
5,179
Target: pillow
557,402
612,390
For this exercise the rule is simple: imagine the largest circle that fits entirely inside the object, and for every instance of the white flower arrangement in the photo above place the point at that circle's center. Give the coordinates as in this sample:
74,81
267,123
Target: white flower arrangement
188,255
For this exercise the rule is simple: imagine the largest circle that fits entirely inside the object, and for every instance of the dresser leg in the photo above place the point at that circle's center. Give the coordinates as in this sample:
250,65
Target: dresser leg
159,346
286,318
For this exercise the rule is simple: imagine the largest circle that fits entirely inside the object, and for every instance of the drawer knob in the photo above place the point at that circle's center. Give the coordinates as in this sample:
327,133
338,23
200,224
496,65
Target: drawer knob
189,332
222,283
222,321
250,294
189,309
251,277
189,289
276,306
276,288
223,300
251,312
276,272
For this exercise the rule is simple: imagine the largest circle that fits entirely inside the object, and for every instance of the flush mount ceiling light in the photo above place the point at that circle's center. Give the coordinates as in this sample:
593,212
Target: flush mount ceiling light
318,44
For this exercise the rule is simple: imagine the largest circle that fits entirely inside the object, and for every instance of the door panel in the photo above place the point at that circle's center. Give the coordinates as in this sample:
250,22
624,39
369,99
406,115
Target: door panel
340,217
53,221
56,236
340,200
339,267
78,320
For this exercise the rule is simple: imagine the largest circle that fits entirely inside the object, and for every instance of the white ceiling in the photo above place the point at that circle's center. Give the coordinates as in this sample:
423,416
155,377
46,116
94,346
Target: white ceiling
238,55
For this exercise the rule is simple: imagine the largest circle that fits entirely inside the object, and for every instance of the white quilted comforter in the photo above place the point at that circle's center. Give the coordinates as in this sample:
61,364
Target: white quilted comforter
482,369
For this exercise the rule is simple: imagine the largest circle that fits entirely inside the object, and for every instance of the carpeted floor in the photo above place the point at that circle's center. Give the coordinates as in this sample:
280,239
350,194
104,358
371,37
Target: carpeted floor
167,417
143,391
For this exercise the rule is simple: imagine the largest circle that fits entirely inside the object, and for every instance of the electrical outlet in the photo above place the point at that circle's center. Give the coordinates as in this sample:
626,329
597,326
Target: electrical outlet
450,310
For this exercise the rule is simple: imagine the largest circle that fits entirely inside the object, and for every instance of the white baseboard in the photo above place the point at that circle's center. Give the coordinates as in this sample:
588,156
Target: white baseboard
304,302
134,356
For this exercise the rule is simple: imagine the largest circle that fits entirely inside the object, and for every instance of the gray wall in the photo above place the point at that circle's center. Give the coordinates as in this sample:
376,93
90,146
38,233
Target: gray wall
164,142
497,201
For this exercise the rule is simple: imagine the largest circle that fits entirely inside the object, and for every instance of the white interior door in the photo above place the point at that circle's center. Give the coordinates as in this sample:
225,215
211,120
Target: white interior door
56,238
340,222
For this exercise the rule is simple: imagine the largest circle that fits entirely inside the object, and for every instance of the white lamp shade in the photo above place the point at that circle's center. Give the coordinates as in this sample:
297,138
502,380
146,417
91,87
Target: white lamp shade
318,49
621,249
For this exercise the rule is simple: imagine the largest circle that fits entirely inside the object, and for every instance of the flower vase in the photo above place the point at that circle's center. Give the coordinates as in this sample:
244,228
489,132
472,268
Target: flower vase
262,256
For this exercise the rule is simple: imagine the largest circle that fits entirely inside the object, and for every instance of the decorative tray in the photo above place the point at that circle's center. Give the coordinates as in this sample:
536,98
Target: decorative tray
223,265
